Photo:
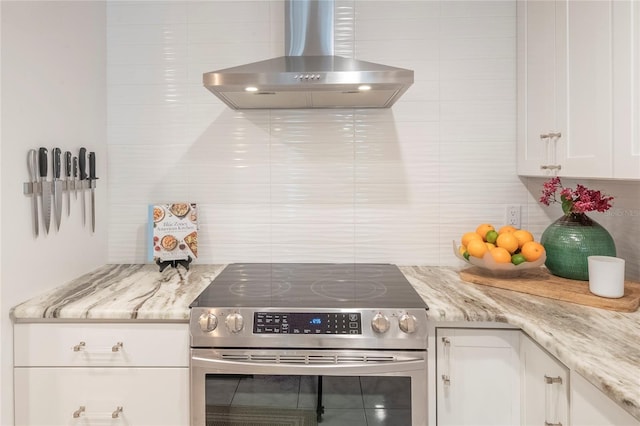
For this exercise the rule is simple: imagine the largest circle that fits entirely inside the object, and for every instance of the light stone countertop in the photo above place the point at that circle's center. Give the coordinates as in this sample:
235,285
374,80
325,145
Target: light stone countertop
601,345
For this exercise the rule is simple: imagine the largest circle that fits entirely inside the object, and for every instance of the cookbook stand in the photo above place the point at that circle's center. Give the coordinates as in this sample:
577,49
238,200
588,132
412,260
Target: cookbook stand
163,264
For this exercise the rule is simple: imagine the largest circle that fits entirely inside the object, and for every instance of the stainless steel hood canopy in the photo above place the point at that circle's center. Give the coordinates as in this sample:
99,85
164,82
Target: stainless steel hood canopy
310,76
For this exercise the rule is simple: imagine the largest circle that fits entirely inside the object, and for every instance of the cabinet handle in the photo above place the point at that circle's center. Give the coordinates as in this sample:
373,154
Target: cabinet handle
82,346
118,410
551,380
79,411
551,167
446,349
446,380
551,150
82,409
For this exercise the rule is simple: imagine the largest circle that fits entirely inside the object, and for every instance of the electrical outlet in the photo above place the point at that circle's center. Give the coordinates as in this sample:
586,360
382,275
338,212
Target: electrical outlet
512,215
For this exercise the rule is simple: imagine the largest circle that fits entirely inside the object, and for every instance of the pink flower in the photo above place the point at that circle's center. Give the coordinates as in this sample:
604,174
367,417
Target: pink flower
579,200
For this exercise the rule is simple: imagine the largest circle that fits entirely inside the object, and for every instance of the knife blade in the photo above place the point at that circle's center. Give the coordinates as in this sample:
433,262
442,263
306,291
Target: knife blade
43,160
32,163
57,186
82,165
67,175
92,178
75,177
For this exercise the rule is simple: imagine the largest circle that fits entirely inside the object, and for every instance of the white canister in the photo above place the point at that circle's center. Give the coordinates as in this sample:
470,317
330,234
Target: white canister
606,276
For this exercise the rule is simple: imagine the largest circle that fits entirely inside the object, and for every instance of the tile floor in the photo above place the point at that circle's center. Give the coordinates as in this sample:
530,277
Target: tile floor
348,401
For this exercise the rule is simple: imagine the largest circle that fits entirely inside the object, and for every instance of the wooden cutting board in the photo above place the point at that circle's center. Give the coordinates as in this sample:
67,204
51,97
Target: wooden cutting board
540,282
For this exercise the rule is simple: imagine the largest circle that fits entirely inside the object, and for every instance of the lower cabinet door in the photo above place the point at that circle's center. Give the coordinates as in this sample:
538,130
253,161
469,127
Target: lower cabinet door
545,386
101,396
477,377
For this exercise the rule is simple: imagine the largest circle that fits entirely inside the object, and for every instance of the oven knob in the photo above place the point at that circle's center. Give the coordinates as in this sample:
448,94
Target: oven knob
408,323
234,322
208,322
380,323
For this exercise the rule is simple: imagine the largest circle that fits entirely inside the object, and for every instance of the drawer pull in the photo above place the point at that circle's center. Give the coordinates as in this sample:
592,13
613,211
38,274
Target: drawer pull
552,424
82,346
82,409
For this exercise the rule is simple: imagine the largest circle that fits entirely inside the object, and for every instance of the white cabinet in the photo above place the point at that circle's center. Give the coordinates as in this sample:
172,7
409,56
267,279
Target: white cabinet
96,374
578,89
541,106
545,386
626,89
591,407
477,377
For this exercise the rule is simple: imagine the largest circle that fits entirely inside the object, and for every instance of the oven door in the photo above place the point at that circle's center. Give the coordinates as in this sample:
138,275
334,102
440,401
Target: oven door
300,387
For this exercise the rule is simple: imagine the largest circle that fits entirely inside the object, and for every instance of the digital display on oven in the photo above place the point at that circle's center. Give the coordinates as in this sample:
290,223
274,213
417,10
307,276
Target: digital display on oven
307,323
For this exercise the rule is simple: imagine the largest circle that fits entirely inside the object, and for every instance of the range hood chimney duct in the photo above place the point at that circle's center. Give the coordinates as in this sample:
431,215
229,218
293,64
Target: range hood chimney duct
310,75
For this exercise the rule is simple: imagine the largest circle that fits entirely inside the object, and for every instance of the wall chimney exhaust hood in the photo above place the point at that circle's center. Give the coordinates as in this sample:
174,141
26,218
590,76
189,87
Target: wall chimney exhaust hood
310,76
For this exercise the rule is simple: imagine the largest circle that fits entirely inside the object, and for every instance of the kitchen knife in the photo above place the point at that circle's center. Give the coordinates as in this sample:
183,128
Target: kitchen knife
92,178
43,160
32,163
67,175
75,177
82,164
57,186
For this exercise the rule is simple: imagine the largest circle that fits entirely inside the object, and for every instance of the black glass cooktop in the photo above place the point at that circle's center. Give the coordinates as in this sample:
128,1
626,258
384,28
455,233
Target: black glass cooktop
310,285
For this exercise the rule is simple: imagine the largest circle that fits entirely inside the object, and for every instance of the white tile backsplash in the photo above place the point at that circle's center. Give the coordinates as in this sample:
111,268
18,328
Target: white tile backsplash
389,185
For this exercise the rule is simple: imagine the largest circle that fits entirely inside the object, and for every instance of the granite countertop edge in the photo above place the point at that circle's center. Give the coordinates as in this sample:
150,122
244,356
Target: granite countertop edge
140,293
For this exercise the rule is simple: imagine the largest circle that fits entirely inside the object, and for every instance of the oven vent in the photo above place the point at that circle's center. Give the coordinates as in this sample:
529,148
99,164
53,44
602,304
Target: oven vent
308,358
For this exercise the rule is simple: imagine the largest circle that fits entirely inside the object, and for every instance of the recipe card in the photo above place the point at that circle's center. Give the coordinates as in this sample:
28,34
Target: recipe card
175,231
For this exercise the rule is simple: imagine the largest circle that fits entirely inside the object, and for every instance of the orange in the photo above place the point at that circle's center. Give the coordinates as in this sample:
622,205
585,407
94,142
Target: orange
507,241
483,229
501,255
476,248
523,236
532,251
507,228
490,245
470,236
461,250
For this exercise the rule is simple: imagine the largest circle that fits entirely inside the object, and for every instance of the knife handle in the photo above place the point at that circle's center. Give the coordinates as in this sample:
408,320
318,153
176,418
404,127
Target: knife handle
82,162
92,166
75,167
67,164
56,162
43,159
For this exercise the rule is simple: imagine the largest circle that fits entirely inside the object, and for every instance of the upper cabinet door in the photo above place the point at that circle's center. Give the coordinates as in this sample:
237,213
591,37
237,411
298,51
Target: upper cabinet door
626,89
540,66
588,143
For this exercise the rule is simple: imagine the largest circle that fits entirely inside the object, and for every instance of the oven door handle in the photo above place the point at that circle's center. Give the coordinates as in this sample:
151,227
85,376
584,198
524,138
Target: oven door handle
314,364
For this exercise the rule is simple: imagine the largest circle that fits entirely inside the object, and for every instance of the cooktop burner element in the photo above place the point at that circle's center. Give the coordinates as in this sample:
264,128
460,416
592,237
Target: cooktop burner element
344,290
258,305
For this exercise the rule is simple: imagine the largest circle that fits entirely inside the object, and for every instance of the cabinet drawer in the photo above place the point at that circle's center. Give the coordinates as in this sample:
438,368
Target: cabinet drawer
147,396
108,345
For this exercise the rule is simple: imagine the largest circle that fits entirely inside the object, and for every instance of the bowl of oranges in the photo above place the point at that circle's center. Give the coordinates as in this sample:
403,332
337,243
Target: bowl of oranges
504,252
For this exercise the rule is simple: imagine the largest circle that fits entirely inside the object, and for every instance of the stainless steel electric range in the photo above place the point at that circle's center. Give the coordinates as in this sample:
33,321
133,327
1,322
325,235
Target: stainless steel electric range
342,344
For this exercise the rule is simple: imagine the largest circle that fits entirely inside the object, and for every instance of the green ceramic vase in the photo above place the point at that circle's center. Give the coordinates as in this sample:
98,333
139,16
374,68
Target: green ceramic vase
570,240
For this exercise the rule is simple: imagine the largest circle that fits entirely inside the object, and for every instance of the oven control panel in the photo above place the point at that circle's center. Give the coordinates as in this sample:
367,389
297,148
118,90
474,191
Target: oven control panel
307,323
